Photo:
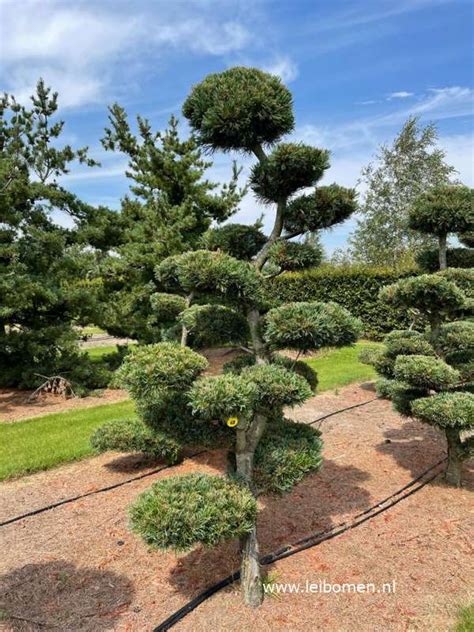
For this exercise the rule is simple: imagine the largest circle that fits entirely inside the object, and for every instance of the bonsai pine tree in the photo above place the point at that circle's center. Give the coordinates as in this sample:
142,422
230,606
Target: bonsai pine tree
219,295
440,211
430,375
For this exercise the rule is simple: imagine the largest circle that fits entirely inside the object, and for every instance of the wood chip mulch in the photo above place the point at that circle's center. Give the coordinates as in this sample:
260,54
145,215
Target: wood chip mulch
78,567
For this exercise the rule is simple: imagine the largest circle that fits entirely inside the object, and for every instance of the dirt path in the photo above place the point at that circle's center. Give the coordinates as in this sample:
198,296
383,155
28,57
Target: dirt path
79,567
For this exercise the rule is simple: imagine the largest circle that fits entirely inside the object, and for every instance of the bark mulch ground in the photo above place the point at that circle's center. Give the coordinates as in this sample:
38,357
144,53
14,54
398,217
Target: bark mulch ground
78,567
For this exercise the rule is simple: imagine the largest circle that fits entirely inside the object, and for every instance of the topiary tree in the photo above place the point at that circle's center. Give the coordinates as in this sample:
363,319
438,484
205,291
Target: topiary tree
222,291
430,375
440,211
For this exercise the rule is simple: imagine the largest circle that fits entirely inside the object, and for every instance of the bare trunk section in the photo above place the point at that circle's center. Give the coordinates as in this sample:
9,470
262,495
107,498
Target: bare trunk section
453,472
253,319
250,573
184,330
442,240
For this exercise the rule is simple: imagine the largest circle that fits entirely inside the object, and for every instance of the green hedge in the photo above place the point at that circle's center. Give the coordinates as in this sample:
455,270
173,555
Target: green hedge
354,287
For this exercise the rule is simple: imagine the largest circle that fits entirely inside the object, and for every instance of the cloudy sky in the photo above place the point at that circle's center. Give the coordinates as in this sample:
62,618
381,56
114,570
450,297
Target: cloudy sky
357,70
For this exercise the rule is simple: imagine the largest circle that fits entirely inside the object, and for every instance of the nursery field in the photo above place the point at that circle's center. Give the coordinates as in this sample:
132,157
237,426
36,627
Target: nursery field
51,579
35,444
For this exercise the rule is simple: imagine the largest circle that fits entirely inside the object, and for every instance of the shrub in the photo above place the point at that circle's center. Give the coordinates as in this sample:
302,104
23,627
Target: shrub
446,410
306,326
223,396
132,435
327,206
276,386
287,452
166,307
425,372
291,256
183,511
290,167
239,108
240,362
237,240
149,371
211,325
354,287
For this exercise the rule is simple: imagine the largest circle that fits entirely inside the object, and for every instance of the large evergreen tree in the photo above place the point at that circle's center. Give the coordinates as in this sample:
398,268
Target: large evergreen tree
401,172
220,296
171,204
43,292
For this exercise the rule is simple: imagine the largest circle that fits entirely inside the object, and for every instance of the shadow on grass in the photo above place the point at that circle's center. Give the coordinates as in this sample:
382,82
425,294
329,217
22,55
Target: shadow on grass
310,507
59,595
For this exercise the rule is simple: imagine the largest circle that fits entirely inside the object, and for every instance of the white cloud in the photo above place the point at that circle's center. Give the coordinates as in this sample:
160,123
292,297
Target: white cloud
78,48
402,94
284,67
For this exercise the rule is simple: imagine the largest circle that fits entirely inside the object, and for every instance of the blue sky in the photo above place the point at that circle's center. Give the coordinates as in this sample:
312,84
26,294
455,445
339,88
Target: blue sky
357,70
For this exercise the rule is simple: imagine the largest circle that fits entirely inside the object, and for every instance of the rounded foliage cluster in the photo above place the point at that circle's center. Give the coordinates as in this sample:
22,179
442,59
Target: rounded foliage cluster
327,206
291,256
306,326
276,386
149,372
446,410
455,341
166,307
443,209
210,325
237,240
290,167
132,435
407,342
462,278
431,294
239,108
210,272
425,372
240,362
223,396
287,452
180,512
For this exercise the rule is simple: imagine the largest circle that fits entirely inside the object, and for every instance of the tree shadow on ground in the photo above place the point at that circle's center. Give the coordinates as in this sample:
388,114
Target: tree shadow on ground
134,462
316,504
59,595
416,446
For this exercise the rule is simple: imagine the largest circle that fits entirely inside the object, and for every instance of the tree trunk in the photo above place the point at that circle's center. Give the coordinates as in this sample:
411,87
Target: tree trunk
442,239
253,319
250,573
454,468
184,330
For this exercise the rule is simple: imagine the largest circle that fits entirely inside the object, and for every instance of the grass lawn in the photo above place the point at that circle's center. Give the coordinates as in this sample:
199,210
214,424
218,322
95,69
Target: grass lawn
38,444
465,621
96,353
339,367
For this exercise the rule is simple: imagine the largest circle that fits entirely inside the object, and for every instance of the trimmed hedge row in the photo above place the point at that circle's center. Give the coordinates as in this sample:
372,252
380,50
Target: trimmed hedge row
354,287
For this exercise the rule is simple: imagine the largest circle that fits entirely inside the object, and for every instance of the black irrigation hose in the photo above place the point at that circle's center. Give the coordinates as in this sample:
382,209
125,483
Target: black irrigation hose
342,410
305,543
92,493
136,478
